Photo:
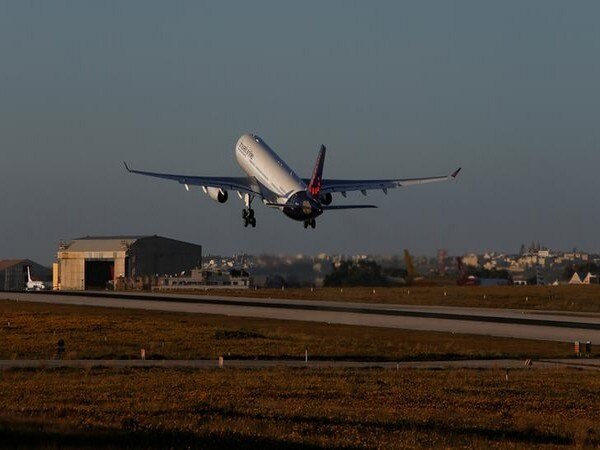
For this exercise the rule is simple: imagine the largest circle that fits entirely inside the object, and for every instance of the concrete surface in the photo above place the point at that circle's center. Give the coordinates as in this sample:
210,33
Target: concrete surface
540,325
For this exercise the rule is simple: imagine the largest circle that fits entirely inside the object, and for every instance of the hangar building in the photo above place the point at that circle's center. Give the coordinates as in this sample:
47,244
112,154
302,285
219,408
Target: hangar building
13,273
94,262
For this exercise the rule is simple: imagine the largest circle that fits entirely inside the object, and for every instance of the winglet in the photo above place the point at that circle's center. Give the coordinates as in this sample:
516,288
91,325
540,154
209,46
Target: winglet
126,166
455,172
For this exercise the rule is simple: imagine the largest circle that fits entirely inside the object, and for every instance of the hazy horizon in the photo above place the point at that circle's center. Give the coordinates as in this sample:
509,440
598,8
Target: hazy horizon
508,91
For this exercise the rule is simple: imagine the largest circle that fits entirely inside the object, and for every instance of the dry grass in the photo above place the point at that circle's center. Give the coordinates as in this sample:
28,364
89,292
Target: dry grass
559,298
294,408
106,333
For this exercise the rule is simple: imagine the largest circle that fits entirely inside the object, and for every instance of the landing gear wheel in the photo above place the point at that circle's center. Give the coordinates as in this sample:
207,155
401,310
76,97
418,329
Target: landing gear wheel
313,223
306,224
248,216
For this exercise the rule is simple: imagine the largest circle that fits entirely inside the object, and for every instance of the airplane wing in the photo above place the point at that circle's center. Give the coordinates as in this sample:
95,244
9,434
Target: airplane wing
242,184
334,207
343,186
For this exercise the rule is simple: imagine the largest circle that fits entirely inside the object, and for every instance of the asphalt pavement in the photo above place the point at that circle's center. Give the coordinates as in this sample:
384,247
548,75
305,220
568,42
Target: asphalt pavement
524,324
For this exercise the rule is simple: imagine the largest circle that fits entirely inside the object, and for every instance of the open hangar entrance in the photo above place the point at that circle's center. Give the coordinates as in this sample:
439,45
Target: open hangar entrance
98,273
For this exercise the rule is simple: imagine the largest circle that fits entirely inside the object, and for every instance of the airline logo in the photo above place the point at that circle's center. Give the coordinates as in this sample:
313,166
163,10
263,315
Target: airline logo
245,150
314,187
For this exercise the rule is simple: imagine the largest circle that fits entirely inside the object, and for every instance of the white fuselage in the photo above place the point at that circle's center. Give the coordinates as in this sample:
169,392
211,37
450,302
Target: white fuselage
33,285
258,160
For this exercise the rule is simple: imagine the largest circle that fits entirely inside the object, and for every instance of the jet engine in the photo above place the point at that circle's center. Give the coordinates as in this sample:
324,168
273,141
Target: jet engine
326,199
218,195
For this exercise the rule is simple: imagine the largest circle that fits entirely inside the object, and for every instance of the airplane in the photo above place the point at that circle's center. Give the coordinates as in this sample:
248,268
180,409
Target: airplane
33,285
271,180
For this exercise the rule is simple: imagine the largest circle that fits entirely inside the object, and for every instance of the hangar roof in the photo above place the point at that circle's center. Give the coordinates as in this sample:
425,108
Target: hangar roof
6,263
100,243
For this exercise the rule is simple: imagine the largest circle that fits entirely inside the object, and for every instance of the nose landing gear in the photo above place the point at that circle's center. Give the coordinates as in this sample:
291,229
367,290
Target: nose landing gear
248,216
311,222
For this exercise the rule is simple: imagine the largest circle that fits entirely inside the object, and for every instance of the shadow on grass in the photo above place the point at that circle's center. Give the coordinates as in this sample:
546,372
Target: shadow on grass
526,436
21,435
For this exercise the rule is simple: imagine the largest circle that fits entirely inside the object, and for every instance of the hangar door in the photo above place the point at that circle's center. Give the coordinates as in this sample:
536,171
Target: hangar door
99,273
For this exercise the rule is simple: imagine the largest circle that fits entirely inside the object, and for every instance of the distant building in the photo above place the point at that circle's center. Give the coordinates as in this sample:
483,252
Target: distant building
575,279
208,278
519,281
13,273
97,262
471,260
442,254
590,279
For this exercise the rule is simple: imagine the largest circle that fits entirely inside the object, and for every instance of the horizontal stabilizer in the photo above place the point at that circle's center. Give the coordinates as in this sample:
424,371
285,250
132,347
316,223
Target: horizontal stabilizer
348,207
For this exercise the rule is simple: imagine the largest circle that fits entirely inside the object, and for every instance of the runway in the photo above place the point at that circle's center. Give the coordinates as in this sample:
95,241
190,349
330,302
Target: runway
526,324
584,364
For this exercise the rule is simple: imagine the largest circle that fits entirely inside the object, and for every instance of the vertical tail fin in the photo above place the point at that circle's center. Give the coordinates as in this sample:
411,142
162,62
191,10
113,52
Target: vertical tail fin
410,267
29,280
314,187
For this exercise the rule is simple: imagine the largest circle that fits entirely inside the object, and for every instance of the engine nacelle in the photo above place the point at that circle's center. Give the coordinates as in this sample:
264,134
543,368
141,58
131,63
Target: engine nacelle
218,195
326,199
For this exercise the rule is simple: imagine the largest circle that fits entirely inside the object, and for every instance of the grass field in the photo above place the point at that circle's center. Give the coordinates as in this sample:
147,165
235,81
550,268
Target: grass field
31,331
293,408
559,298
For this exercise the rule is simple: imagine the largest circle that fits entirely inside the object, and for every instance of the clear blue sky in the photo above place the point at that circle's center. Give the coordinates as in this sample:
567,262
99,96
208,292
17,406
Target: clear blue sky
507,90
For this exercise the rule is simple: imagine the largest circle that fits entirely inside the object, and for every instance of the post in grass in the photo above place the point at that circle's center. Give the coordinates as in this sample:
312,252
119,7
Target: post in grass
60,348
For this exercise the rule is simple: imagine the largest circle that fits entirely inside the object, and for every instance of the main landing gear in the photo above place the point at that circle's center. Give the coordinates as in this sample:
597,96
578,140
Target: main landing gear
248,216
311,222
248,213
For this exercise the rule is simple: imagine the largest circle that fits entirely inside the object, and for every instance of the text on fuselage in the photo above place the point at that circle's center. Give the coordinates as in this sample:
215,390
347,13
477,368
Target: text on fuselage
245,150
